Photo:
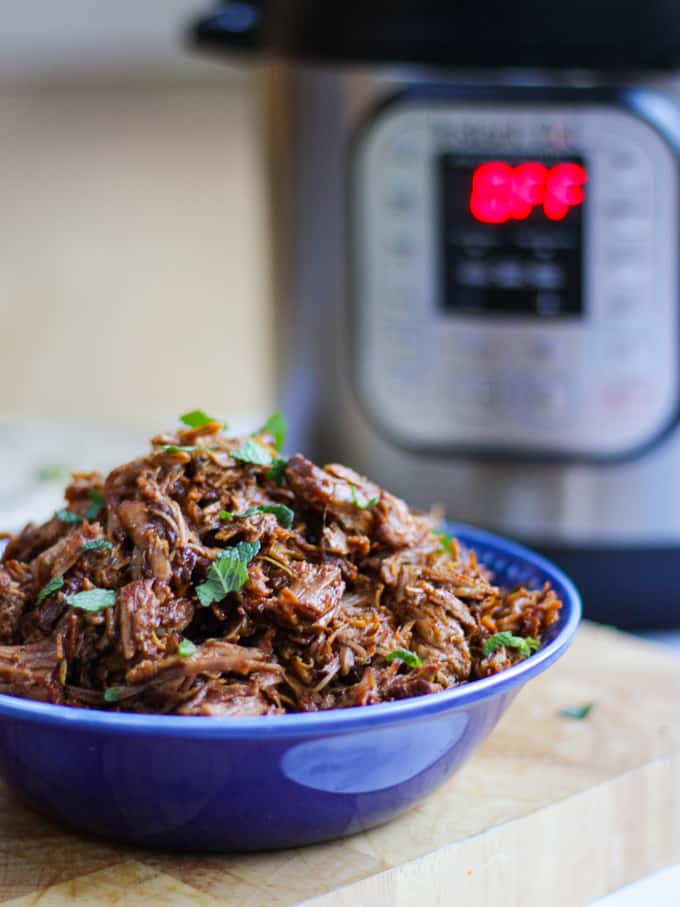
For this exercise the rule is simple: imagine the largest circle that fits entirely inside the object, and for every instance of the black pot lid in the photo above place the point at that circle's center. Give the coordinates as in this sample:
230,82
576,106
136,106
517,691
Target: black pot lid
599,34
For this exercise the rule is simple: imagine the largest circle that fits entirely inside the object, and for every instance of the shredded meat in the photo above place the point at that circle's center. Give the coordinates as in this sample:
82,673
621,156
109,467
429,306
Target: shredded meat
337,576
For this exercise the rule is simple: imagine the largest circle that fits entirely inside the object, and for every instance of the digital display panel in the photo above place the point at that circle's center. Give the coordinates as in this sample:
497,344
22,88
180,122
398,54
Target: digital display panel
512,235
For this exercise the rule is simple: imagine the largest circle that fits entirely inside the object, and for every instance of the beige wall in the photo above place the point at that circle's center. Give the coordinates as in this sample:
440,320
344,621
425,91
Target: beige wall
133,275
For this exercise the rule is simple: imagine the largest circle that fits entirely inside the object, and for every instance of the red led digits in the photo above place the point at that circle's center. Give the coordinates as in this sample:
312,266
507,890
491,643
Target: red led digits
491,199
501,192
564,190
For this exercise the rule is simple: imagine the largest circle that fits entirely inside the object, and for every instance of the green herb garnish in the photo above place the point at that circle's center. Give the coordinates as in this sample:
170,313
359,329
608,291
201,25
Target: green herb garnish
277,471
96,545
252,452
277,427
410,659
92,600
197,419
186,648
112,694
525,646
97,501
445,538
228,573
577,713
67,517
54,585
283,514
363,505
51,473
177,448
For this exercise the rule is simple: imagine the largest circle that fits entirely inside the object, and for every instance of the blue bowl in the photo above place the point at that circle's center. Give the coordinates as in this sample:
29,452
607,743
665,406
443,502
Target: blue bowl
211,784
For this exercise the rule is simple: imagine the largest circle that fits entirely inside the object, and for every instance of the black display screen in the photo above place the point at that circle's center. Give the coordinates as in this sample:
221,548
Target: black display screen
512,235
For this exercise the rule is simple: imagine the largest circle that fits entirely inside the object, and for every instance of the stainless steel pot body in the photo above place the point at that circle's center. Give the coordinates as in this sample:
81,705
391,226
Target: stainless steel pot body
598,515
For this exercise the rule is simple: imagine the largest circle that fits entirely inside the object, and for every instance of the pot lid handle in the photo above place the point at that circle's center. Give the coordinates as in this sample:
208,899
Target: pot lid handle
236,25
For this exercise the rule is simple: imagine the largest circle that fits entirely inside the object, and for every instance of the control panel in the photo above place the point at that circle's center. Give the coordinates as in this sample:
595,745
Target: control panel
516,277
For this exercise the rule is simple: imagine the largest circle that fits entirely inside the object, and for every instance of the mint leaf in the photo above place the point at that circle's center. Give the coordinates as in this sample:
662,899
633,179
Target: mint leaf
186,648
283,514
277,427
252,452
577,713
98,501
197,419
525,646
92,600
96,545
54,585
67,517
410,659
228,573
277,471
363,505
112,694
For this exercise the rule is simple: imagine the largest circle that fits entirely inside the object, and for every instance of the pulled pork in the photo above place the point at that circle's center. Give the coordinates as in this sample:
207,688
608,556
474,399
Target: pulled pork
332,592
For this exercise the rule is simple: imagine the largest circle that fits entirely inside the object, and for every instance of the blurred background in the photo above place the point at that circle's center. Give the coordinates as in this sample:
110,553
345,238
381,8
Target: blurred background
133,274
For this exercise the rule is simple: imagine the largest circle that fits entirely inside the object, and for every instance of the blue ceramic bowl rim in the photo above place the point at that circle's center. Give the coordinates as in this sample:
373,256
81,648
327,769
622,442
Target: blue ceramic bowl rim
311,724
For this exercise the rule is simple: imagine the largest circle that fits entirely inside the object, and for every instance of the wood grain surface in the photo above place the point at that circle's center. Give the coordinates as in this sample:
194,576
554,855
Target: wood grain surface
550,811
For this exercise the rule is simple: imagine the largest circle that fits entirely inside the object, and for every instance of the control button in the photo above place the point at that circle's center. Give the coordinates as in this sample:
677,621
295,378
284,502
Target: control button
638,254
626,399
508,274
548,303
401,200
540,398
472,274
544,349
471,347
402,246
405,149
628,168
545,276
623,304
475,392
624,353
630,274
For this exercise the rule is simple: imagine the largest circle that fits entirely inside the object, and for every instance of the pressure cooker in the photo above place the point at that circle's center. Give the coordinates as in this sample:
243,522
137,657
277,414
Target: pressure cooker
475,220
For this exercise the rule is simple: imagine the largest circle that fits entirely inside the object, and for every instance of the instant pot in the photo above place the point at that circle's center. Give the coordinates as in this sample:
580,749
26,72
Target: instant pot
475,210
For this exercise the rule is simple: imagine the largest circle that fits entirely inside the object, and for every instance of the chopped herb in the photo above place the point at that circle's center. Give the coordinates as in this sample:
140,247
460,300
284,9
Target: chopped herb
277,471
96,545
67,517
277,427
363,505
51,473
112,694
54,585
177,448
92,600
98,501
186,648
446,539
228,573
252,452
525,646
197,419
577,713
410,659
283,514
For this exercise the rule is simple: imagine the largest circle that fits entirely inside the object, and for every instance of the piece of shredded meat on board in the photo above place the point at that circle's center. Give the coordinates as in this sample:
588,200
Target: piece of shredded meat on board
312,625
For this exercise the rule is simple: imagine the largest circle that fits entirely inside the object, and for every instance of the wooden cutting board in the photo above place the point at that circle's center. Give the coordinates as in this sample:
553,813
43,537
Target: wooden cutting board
550,811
